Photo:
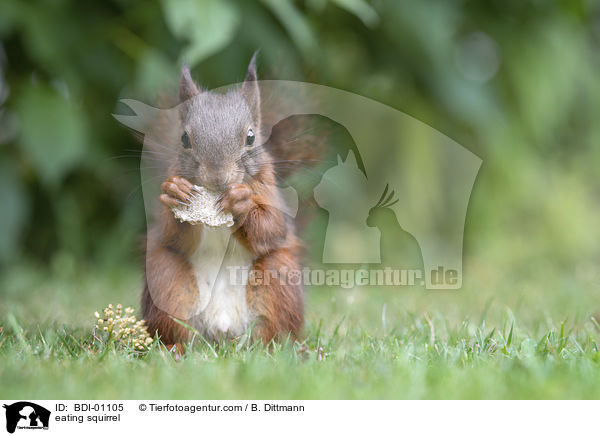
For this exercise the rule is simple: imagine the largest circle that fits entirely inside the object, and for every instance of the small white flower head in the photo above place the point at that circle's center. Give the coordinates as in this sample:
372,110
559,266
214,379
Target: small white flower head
124,331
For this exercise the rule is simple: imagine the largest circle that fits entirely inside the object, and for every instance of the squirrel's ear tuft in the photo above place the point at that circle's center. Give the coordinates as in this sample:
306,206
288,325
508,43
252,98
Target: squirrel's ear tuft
250,89
251,74
187,87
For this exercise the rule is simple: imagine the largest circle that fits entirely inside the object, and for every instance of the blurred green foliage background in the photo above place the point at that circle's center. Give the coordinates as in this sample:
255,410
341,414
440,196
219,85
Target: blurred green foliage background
516,82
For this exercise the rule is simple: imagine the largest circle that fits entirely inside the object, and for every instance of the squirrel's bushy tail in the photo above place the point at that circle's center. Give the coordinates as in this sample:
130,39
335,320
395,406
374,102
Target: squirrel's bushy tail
298,147
297,143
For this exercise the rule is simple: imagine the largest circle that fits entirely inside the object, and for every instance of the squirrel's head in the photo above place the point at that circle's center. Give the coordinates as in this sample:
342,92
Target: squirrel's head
221,141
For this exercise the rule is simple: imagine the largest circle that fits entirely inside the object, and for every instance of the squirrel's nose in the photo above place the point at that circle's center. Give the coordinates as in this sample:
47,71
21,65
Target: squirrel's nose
216,182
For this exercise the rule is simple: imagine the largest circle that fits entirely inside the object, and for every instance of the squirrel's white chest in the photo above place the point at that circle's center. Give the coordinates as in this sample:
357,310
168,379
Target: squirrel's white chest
222,308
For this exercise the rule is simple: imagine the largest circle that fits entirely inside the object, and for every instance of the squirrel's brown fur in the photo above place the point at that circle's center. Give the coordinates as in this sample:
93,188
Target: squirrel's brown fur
261,226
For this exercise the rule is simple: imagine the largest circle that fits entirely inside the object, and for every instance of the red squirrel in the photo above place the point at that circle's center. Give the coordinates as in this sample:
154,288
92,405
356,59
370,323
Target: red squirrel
222,149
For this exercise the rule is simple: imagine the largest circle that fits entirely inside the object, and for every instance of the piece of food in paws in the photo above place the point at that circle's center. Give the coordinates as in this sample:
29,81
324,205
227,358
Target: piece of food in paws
202,208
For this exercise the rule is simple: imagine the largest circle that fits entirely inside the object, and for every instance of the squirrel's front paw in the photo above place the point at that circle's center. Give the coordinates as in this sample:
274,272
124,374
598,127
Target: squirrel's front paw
237,200
176,191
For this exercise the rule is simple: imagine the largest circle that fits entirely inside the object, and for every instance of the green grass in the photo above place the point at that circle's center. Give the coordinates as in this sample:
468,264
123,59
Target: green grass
492,339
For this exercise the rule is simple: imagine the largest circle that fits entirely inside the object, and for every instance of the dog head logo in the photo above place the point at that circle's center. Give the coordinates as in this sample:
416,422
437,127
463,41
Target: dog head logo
26,415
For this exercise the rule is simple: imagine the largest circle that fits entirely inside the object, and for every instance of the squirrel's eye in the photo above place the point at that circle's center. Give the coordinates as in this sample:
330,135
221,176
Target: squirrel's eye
250,137
185,140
